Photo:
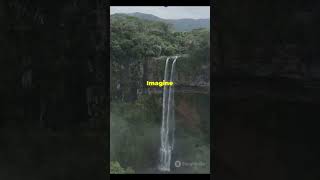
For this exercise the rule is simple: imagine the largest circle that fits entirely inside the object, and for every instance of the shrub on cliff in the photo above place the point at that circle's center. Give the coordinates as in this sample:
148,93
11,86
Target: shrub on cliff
115,168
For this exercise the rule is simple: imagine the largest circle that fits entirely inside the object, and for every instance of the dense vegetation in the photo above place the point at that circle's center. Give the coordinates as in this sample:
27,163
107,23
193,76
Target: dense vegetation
134,42
135,114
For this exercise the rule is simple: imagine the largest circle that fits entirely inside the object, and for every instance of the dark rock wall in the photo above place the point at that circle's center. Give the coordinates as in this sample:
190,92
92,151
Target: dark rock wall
52,89
267,38
265,89
53,52
199,77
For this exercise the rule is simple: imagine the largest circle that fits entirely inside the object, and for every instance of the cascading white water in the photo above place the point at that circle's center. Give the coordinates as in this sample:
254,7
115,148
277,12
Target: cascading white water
168,121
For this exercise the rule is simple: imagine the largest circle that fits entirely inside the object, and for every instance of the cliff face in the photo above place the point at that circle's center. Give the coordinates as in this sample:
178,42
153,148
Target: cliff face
52,67
266,84
198,77
267,39
53,63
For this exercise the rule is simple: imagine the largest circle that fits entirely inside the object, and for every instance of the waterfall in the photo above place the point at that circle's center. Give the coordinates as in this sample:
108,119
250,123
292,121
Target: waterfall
168,121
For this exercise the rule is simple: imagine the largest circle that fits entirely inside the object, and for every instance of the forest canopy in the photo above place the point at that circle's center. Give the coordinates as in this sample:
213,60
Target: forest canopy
135,42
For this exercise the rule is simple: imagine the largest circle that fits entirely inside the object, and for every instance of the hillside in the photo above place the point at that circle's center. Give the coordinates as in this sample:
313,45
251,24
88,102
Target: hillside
178,24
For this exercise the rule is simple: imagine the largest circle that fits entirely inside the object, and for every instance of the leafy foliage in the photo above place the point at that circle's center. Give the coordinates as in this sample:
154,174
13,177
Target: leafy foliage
115,168
135,132
134,42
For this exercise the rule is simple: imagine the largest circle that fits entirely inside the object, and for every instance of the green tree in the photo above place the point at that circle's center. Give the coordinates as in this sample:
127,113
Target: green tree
115,168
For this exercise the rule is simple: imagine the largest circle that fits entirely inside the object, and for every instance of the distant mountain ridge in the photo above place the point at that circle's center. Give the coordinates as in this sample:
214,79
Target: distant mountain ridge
178,24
